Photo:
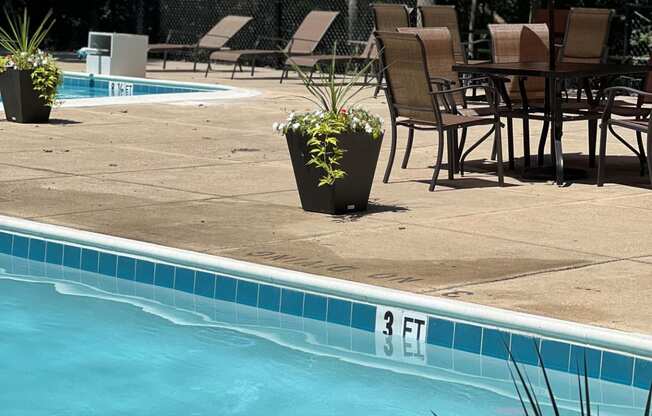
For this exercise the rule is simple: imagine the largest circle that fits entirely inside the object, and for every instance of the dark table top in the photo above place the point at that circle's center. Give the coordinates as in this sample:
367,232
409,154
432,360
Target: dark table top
542,69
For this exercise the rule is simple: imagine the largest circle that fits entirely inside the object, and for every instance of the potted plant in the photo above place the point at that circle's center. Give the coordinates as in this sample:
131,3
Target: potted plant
334,149
29,77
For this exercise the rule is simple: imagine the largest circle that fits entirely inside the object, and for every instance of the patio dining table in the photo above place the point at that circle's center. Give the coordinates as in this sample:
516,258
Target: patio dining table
554,74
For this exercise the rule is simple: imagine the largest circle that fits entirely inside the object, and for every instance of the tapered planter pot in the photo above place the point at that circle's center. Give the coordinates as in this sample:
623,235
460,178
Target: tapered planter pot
21,103
346,195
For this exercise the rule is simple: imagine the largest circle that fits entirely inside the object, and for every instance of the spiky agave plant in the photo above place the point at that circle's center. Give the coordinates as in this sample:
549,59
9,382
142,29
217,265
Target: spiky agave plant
336,113
24,53
531,401
18,40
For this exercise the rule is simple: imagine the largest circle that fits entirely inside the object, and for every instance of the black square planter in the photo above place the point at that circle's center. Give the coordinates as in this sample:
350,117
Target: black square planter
348,194
21,103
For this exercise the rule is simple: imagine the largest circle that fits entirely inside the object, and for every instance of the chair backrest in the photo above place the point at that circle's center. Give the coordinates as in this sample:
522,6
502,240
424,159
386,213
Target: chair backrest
587,34
440,58
223,31
389,17
512,43
403,60
311,31
561,20
444,16
647,82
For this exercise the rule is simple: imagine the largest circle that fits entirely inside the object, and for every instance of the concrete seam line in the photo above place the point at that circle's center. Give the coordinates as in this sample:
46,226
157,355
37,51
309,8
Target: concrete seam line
624,342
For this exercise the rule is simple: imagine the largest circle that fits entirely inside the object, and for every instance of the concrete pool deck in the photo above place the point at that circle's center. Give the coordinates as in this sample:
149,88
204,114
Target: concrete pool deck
213,177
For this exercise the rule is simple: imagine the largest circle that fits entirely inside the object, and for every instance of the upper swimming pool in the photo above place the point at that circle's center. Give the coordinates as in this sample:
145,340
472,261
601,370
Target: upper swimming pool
92,330
81,89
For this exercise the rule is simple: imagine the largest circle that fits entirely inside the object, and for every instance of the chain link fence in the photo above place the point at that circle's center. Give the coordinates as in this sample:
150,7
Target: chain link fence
630,33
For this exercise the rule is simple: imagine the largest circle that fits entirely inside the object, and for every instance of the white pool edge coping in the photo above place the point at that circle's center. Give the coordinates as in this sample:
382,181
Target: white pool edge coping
618,341
225,92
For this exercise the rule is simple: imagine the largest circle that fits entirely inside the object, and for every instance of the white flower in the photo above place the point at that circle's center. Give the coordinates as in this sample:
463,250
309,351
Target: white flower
368,129
295,126
275,126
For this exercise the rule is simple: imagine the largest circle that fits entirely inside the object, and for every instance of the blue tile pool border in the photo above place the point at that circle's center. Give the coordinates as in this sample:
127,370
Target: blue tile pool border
458,335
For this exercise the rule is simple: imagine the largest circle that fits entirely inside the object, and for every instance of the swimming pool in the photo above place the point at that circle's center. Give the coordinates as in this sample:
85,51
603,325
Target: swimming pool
100,331
80,90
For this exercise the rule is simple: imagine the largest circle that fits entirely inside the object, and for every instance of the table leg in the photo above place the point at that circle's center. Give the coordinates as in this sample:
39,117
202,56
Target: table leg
556,125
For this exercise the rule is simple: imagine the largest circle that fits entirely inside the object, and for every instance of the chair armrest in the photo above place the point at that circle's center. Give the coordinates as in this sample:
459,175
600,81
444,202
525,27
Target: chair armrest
612,92
474,42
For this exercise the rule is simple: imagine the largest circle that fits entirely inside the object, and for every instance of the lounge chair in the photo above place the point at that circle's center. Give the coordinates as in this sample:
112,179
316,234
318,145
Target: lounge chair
214,40
304,42
418,103
369,53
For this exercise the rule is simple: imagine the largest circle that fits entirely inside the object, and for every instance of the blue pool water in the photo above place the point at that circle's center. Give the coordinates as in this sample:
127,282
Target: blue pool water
75,342
75,86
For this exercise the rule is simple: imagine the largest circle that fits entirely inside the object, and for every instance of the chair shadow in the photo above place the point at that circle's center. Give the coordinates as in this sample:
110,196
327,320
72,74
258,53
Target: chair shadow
465,182
373,207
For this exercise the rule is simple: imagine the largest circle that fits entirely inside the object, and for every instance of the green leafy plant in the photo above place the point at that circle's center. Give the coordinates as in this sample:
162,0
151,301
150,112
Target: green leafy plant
524,387
25,55
336,114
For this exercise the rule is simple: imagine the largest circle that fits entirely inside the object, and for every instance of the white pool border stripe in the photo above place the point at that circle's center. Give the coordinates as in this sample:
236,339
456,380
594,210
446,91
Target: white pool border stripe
623,342
221,92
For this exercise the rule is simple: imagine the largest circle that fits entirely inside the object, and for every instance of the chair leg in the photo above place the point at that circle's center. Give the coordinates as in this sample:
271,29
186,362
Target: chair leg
440,154
408,148
499,154
593,138
284,74
450,161
510,143
641,153
493,151
461,148
542,143
165,59
392,153
235,66
194,63
253,67
601,156
649,155
526,142
456,151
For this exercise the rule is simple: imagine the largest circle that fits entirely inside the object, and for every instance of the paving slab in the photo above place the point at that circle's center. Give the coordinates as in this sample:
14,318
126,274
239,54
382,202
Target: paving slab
213,177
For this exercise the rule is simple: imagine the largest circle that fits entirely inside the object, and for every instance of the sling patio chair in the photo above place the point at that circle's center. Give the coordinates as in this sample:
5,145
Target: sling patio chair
418,102
389,17
439,48
304,42
214,40
512,43
639,125
636,112
446,16
312,62
585,41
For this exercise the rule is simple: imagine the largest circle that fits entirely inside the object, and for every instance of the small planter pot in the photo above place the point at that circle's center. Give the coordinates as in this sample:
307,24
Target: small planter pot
21,103
347,195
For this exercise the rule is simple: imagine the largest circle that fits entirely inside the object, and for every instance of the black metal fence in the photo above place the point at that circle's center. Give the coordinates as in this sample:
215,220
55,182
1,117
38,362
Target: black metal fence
630,35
